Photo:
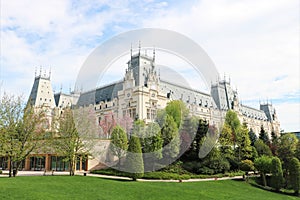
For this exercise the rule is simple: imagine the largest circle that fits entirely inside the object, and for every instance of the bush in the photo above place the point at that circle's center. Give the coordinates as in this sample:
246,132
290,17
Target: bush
294,171
247,165
277,175
263,165
0,171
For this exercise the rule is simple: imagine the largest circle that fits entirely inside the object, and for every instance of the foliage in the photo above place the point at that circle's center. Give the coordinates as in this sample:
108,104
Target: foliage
262,148
287,148
263,165
234,123
76,133
191,133
161,116
134,160
244,149
170,138
294,174
22,129
215,162
226,141
297,152
126,122
247,165
263,135
277,175
177,110
252,136
107,124
119,143
152,145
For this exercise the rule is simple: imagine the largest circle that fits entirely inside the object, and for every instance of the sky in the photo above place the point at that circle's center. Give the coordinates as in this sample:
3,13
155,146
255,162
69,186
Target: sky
255,42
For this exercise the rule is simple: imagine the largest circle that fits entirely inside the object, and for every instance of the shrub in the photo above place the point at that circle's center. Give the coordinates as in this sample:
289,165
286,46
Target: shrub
277,175
0,171
263,164
294,171
247,165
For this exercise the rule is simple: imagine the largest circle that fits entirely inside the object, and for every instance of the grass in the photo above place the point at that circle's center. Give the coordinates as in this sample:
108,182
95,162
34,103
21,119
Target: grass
80,187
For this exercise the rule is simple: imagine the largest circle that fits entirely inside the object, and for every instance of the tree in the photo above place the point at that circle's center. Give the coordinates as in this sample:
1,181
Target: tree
263,135
107,124
23,130
277,175
170,137
287,148
226,141
252,136
177,110
152,146
77,130
244,149
119,143
192,133
139,130
297,152
216,162
294,175
126,122
134,160
262,148
263,165
234,123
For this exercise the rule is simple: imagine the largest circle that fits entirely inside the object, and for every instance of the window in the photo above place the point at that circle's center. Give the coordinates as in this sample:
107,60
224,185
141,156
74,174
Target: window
148,113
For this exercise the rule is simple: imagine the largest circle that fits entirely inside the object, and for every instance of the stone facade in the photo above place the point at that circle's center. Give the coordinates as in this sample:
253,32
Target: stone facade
142,93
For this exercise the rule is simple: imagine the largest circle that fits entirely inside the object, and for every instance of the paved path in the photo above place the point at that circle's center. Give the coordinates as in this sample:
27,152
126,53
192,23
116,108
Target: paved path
41,173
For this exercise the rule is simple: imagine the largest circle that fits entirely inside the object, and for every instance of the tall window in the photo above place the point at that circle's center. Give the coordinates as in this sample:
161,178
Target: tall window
37,163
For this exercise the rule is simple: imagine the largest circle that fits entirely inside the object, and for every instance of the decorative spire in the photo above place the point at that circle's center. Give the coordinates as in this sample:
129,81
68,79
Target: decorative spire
154,54
50,73
139,47
35,72
131,51
40,70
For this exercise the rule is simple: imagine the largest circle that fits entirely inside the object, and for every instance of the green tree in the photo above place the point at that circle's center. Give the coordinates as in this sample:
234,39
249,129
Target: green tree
244,149
277,175
23,130
119,143
294,175
287,148
152,146
234,123
76,133
262,148
134,159
263,135
139,130
252,136
216,162
177,110
263,165
226,140
297,152
170,137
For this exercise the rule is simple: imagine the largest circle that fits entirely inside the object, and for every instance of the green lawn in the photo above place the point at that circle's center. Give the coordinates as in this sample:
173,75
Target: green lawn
80,187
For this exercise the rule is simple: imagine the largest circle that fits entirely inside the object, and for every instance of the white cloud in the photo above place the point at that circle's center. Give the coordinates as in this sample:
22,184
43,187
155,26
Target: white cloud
254,41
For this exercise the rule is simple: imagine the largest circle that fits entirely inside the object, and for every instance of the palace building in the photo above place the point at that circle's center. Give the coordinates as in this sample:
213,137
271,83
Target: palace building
140,94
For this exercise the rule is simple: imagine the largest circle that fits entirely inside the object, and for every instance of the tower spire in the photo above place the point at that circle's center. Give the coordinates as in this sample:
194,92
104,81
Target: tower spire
154,54
139,47
131,51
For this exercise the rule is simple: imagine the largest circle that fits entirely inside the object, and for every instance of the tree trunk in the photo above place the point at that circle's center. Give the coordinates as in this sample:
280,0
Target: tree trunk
10,167
264,179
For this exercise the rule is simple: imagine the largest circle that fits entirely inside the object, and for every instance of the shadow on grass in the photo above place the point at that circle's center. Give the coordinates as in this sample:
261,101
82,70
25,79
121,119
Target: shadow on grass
253,183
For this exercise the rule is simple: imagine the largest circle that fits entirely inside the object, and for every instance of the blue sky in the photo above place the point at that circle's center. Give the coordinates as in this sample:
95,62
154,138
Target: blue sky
256,42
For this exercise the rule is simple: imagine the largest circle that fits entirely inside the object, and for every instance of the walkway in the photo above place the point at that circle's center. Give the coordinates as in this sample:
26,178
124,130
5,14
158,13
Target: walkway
41,173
